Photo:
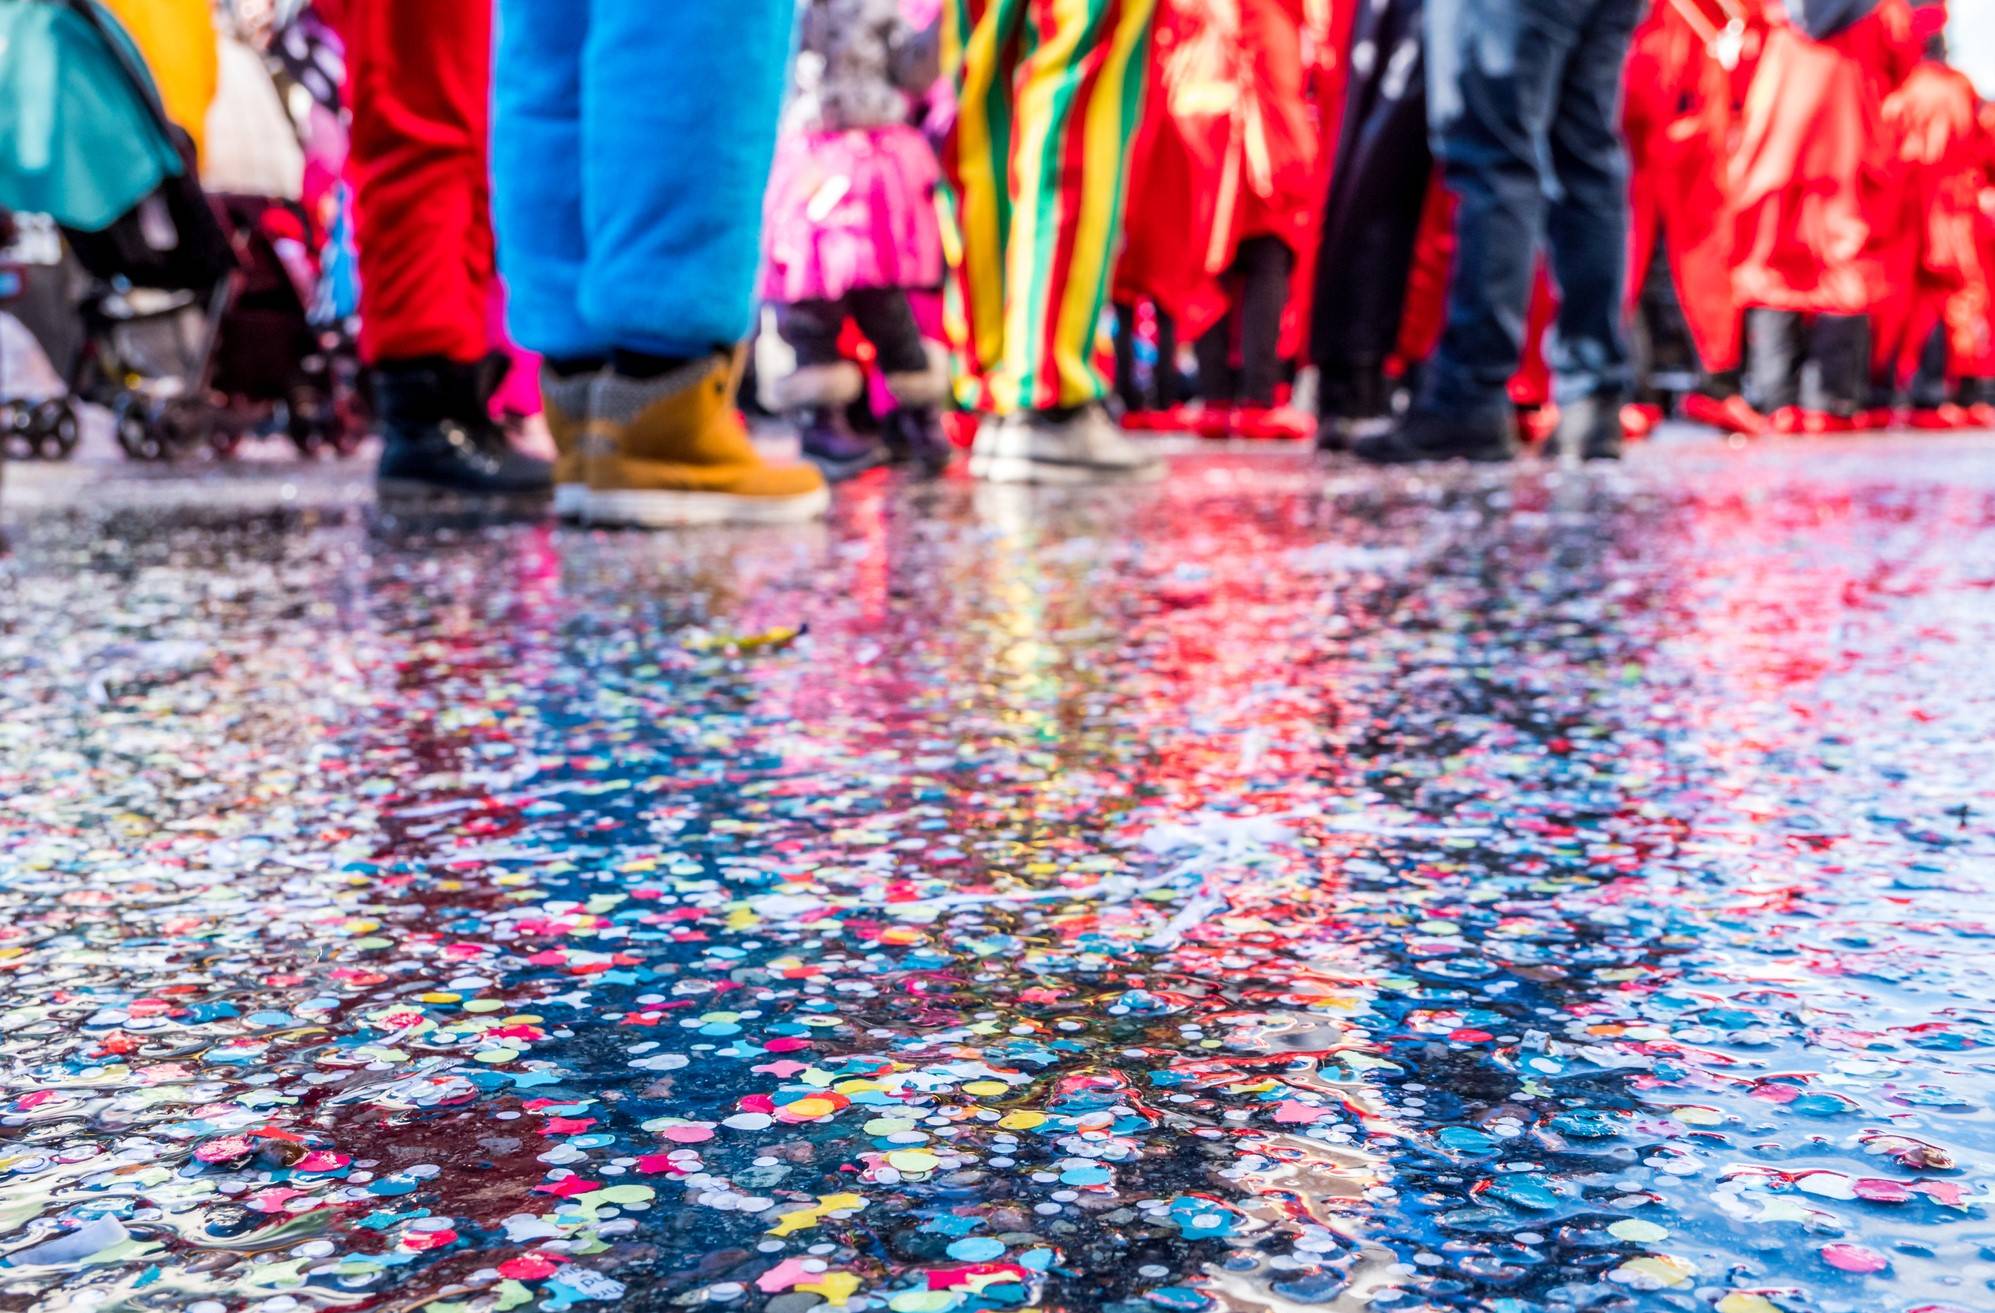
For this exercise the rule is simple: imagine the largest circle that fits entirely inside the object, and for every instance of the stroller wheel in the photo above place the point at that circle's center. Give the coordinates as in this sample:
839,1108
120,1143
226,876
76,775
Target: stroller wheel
132,421
16,431
55,429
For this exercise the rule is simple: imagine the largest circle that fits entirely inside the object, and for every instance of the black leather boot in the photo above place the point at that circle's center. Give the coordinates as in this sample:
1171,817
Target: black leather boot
438,436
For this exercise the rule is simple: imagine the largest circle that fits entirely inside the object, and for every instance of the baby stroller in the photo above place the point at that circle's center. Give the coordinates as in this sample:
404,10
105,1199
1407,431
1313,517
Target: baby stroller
195,332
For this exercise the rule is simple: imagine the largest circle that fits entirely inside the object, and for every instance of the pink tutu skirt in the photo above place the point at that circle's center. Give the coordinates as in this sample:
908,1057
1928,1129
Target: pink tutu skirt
851,209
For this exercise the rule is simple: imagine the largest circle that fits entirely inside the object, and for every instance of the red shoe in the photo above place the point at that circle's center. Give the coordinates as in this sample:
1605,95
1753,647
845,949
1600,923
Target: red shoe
1536,424
1876,420
1144,421
1982,413
1272,424
1639,420
1732,415
1941,419
1820,423
1204,420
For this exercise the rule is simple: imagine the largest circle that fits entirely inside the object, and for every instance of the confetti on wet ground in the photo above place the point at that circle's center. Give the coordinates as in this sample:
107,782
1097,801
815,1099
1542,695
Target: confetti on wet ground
1270,891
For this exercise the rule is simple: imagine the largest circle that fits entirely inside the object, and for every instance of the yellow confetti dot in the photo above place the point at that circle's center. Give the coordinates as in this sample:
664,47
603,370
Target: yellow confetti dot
811,1107
1695,1116
1022,1120
985,1089
1740,1301
438,996
913,1160
496,1057
484,1005
837,1287
1636,1231
1654,1270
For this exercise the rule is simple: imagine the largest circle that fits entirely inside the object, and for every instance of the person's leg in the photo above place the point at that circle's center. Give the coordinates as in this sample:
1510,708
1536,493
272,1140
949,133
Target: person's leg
1125,359
418,78
981,42
1079,92
819,390
1493,72
1840,347
679,109
1265,265
1166,385
1586,231
1217,385
537,212
917,378
1774,357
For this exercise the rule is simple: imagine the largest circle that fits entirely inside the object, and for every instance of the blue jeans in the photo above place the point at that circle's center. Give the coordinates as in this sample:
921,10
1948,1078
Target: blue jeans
631,142
1524,107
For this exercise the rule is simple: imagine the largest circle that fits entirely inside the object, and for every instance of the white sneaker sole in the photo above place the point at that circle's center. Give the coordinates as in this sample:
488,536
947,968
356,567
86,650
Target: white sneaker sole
673,510
1022,469
571,500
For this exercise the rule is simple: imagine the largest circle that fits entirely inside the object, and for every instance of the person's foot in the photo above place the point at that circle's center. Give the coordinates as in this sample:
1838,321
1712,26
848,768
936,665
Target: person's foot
1270,423
1080,445
1424,435
672,451
830,444
1732,414
1640,419
564,403
915,437
1590,428
437,437
1941,418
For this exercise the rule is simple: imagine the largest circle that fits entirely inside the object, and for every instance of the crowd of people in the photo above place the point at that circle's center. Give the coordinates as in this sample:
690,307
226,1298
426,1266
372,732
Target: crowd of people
1413,229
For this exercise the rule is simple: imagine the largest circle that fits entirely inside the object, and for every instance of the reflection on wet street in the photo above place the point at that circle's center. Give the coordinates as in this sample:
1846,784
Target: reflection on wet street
1283,888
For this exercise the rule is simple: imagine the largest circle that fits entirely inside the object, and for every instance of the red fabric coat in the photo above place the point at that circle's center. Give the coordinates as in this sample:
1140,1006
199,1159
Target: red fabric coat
1813,168
1928,241
1229,149
1679,120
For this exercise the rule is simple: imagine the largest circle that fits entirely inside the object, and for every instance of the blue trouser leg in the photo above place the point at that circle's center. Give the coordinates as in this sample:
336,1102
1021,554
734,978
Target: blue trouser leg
679,106
537,174
1586,229
1524,107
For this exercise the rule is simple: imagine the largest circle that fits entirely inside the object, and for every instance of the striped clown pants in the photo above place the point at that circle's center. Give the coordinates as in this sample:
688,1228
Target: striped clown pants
1049,95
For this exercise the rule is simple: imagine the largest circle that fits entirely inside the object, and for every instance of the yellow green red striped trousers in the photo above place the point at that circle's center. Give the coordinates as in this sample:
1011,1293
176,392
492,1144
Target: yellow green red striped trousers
1049,93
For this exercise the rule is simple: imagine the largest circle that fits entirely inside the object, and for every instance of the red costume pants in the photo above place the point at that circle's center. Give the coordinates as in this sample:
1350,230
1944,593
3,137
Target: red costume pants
418,82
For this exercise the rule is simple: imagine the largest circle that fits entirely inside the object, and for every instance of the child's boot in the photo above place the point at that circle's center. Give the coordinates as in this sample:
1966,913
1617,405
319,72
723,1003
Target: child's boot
673,450
817,396
914,430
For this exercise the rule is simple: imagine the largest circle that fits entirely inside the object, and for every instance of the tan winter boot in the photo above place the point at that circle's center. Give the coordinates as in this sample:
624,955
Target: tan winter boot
673,450
564,403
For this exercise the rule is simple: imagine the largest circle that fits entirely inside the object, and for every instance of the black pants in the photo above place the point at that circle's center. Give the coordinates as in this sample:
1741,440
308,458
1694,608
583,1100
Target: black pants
811,329
1781,343
1377,191
1260,278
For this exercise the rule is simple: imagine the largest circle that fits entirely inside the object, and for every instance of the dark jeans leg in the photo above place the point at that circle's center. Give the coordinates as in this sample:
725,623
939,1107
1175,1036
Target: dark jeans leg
1586,227
1494,69
1265,265
1774,355
811,329
885,317
1840,347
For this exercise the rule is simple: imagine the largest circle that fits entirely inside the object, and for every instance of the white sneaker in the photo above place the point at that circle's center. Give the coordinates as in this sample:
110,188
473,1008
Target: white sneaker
1084,447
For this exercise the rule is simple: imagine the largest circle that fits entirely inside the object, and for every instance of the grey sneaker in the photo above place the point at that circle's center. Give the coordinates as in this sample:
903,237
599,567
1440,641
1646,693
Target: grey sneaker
1079,446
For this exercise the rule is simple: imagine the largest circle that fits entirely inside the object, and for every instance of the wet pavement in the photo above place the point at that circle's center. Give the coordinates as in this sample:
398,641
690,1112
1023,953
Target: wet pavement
1287,888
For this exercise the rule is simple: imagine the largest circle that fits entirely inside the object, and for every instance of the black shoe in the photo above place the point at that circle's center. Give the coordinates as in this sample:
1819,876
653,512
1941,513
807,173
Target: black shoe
1424,435
915,437
437,436
1590,426
1356,404
830,444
